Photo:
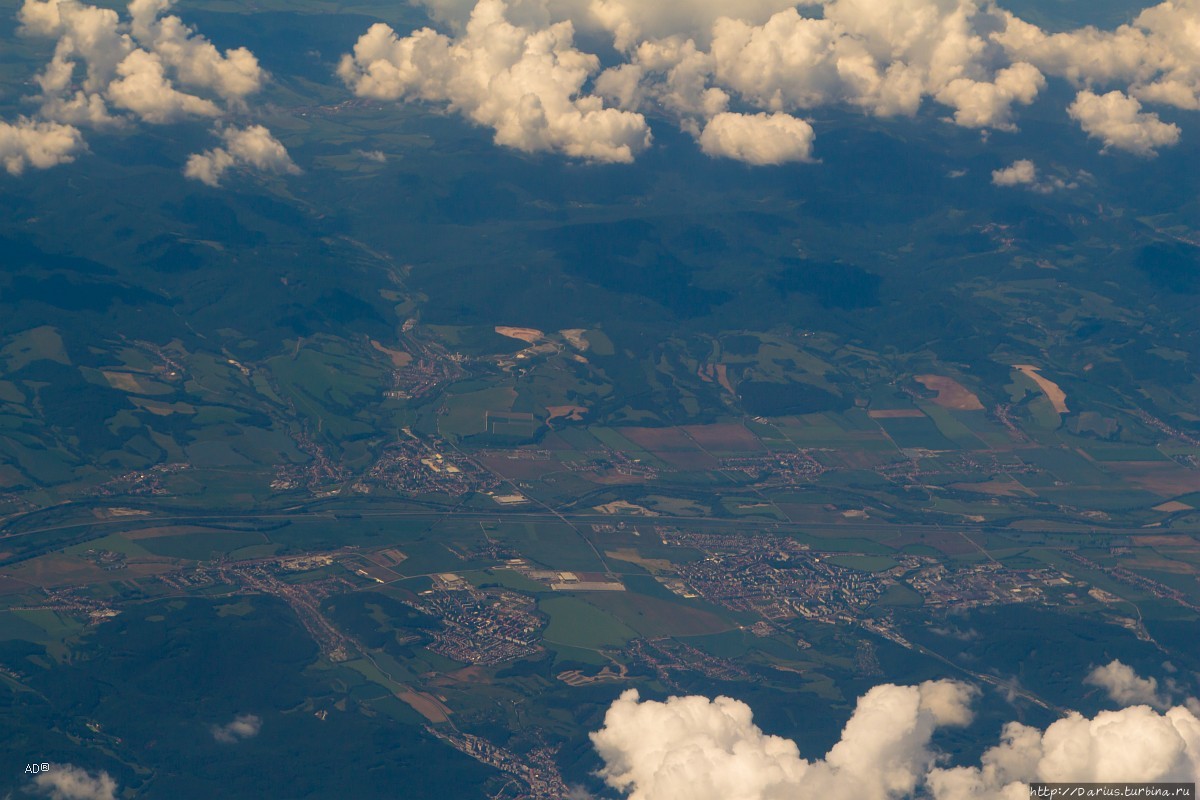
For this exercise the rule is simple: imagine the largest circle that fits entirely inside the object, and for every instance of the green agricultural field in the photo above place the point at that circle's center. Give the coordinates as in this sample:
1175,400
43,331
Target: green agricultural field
577,655
599,343
254,551
35,344
466,414
864,563
656,616
55,626
831,541
613,438
332,386
1106,499
954,426
556,546
506,578
900,595
15,625
231,363
1119,452
920,433
115,543
577,623
751,507
1067,465
203,546
1042,412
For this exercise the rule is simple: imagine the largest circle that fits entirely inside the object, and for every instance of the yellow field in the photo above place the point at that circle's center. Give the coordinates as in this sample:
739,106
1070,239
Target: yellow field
950,393
1056,396
573,413
1164,478
158,533
531,335
134,383
632,556
1178,541
426,705
38,343
61,570
122,381
160,409
996,488
624,507
575,338
400,359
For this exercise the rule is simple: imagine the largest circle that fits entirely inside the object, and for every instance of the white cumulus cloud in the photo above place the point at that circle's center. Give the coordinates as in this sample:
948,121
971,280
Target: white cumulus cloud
143,88
1125,687
693,60
1117,120
514,66
113,71
1019,173
232,75
243,726
526,84
68,782
1024,172
989,104
252,148
758,139
378,156
885,57
628,21
134,65
1156,57
701,749
694,748
37,144
1136,744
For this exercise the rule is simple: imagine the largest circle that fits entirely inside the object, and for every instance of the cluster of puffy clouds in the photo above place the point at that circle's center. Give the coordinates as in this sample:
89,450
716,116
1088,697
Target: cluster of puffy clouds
69,782
243,726
253,147
525,83
712,750
37,143
1024,172
740,74
1126,688
701,749
111,72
